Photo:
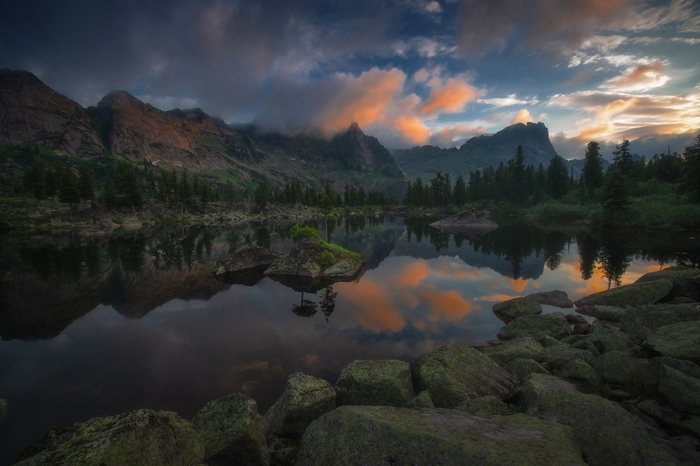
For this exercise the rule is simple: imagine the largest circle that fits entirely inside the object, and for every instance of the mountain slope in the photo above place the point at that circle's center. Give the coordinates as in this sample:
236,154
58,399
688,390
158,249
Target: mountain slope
479,152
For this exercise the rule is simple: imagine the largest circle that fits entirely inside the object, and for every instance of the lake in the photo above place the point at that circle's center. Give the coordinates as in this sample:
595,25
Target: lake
96,327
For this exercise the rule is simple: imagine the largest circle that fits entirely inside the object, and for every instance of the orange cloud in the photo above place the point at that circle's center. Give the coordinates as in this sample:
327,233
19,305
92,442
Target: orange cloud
413,129
596,132
449,98
413,274
518,285
448,136
449,304
523,116
364,99
641,78
375,310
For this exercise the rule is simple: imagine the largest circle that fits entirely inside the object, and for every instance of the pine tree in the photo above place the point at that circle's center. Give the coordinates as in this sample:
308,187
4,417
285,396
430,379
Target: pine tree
460,193
557,178
262,192
622,159
69,189
519,188
691,167
593,168
616,192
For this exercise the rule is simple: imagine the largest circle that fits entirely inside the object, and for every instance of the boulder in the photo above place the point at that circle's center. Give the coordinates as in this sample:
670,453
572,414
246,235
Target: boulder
608,434
305,398
521,369
488,405
681,390
680,341
686,281
3,409
580,371
575,319
640,321
422,400
143,437
581,329
668,416
620,368
523,347
312,259
609,313
606,338
233,432
555,357
455,372
516,307
352,435
629,295
245,261
554,298
381,382
538,327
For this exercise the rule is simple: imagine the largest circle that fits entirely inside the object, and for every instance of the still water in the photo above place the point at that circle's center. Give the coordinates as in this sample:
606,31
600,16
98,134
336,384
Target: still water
103,326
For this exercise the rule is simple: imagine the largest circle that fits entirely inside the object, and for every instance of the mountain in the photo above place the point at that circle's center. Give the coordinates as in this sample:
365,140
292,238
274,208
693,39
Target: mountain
479,152
125,127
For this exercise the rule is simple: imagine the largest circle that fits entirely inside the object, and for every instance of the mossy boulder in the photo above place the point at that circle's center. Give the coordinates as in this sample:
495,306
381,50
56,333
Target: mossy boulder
629,295
246,261
422,400
555,357
353,435
312,258
143,437
640,321
609,313
507,351
678,420
607,338
582,372
380,382
681,390
680,341
3,409
305,398
521,369
538,327
516,307
233,432
607,433
556,298
686,281
456,372
620,368
488,405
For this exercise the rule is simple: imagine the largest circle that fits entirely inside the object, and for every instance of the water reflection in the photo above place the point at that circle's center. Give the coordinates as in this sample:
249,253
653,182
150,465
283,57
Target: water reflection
66,355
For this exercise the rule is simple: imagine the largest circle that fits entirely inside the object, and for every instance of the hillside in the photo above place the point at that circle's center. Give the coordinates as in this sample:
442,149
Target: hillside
122,126
479,152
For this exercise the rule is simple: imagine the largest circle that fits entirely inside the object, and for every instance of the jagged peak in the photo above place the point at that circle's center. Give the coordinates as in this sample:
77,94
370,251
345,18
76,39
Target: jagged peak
115,98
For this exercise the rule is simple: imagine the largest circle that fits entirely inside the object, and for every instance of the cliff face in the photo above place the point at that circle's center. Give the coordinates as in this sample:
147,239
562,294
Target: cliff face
31,112
120,124
479,152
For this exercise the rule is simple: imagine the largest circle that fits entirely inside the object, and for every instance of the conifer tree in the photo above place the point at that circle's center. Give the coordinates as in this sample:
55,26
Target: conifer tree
86,183
460,193
691,166
593,168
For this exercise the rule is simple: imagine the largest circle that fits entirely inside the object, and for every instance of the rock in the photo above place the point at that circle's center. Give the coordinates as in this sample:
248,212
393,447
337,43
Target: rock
283,451
670,417
581,371
422,400
686,281
608,434
575,319
469,223
516,307
455,372
3,409
243,265
488,405
311,259
553,325
305,398
523,347
143,437
369,435
521,369
381,383
606,338
232,431
554,298
610,313
629,295
682,391
680,341
640,321
618,367
581,329
557,356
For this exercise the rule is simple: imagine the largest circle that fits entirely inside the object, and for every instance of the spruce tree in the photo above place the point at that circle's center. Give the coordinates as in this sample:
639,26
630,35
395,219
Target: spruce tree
593,168
622,159
557,178
460,193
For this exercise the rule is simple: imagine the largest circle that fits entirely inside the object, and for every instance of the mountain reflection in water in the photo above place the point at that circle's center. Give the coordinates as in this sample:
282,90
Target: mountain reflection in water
180,338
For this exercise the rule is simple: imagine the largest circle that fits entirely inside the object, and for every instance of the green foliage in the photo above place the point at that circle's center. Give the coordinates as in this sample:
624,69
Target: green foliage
557,178
593,168
326,259
298,233
691,168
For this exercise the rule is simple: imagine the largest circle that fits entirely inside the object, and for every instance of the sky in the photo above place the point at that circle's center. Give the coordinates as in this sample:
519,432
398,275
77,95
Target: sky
409,72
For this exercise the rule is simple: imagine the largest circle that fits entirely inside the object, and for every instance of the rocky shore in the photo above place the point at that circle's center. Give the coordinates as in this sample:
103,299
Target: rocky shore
620,386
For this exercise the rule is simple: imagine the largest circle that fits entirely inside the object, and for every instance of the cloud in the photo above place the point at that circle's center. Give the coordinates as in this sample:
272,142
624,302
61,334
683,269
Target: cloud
553,24
508,101
451,97
523,116
450,304
454,136
640,78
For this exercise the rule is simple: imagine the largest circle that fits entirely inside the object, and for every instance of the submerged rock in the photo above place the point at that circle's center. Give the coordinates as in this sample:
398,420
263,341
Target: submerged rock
143,437
352,435
629,295
516,307
383,382
456,372
233,432
305,398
